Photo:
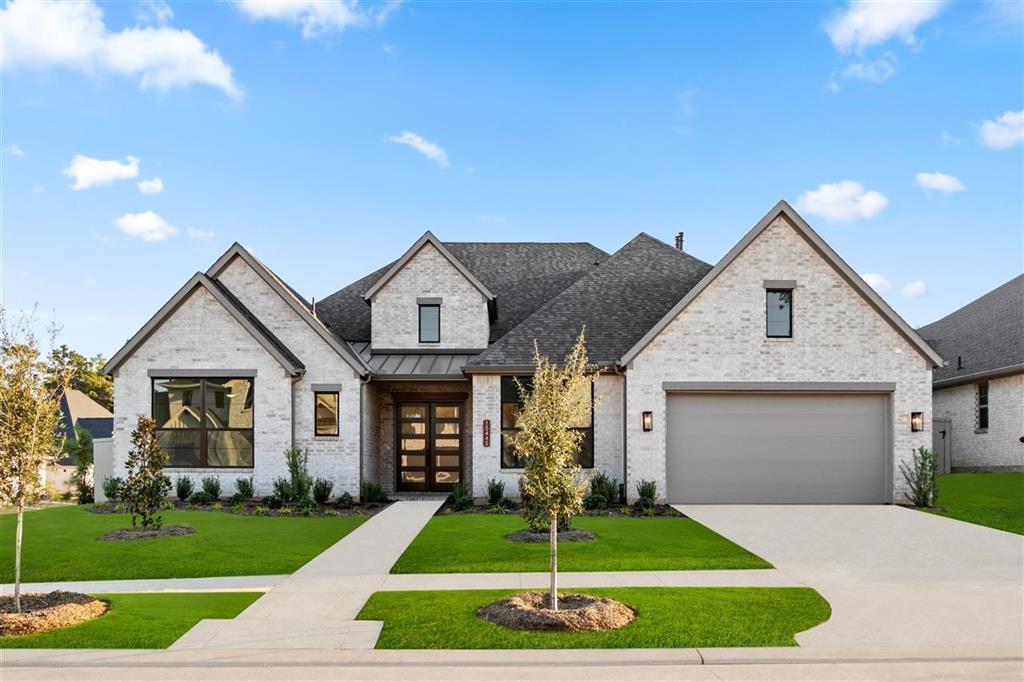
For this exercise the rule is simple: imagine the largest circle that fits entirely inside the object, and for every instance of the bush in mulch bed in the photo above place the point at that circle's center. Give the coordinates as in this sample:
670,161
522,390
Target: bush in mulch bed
146,533
567,535
47,611
342,507
576,613
621,511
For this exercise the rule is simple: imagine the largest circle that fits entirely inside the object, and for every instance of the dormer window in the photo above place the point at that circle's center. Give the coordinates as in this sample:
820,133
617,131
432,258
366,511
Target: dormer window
430,322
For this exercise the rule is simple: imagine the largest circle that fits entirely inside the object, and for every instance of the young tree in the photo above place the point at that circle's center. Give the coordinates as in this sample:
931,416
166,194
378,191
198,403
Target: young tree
147,485
81,449
86,374
559,398
31,430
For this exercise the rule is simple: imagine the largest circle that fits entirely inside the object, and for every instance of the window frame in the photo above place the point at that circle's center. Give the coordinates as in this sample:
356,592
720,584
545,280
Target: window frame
982,399
588,431
204,430
337,414
767,331
419,320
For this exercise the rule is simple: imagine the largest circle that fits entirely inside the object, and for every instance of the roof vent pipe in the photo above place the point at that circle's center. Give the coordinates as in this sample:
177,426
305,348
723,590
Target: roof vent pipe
679,240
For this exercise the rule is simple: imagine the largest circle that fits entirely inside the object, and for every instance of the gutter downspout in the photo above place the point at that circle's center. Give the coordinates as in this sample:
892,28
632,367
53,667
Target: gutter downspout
625,422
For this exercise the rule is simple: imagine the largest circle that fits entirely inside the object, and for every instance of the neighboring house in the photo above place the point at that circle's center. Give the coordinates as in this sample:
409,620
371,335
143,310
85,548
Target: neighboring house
77,409
777,375
978,397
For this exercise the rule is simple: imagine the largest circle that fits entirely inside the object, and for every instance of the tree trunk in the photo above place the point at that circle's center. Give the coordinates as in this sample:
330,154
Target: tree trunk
553,541
17,555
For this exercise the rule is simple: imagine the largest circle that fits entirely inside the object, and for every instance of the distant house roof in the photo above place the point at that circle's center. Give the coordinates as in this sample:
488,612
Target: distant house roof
78,409
617,301
521,275
986,336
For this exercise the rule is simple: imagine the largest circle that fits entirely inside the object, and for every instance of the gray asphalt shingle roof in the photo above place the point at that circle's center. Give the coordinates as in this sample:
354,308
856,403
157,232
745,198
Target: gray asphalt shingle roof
618,301
522,275
987,334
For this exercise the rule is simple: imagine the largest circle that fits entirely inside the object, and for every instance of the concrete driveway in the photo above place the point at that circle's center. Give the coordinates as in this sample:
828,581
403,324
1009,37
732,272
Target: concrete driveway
895,577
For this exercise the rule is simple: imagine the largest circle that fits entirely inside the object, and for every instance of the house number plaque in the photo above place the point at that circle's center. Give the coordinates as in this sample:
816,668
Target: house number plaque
487,433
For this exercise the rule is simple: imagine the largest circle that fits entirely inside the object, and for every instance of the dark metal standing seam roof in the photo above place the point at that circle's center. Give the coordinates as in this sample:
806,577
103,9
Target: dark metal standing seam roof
414,365
987,334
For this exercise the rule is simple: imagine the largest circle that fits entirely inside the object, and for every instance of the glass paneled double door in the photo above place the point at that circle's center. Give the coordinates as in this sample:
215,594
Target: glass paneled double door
429,441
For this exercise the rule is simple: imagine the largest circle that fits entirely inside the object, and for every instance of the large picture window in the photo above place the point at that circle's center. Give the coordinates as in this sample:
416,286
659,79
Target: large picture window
510,409
205,422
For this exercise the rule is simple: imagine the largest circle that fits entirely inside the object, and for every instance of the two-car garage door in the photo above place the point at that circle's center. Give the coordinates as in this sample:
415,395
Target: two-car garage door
782,448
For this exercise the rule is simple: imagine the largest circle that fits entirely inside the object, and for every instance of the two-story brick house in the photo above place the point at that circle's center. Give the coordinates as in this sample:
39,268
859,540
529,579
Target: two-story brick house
776,375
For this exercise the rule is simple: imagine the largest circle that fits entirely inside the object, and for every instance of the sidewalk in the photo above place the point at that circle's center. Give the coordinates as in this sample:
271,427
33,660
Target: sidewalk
239,583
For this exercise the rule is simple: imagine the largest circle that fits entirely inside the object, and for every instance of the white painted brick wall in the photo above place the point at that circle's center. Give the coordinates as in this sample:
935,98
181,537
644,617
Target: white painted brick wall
332,457
487,461
1000,445
395,312
202,335
720,336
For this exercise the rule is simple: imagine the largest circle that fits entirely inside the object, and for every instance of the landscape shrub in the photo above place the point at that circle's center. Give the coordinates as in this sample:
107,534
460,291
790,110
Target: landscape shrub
112,487
920,477
595,501
495,491
211,486
201,497
183,488
372,493
345,501
322,490
647,492
604,485
273,501
459,499
147,485
244,489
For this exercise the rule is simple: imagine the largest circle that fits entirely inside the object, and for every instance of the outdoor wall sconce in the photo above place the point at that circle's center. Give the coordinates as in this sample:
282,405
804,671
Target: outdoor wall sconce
647,421
917,421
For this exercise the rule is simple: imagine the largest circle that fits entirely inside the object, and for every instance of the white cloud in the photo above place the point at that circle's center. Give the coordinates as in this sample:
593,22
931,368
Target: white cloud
14,150
946,138
196,233
151,186
423,146
832,83
914,289
865,23
88,171
1004,131
147,225
877,71
941,182
153,12
842,201
45,33
876,281
318,17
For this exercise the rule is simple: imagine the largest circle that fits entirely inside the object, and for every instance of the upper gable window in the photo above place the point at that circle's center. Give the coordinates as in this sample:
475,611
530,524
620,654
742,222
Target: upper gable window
779,313
430,323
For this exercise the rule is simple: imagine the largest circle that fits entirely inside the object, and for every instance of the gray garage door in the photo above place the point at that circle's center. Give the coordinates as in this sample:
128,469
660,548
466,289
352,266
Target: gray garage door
764,448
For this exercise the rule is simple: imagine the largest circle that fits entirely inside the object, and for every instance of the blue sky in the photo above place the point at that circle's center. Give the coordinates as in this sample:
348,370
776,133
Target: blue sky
328,136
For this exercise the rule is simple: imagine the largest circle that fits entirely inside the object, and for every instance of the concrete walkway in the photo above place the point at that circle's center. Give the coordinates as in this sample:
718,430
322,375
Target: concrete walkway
240,583
315,607
894,576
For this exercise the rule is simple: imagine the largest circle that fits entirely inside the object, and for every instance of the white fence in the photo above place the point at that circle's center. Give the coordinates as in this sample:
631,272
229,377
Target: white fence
103,464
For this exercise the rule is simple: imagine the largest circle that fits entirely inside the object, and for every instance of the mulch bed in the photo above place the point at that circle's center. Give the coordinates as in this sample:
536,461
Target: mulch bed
576,613
253,508
122,534
43,611
617,511
569,535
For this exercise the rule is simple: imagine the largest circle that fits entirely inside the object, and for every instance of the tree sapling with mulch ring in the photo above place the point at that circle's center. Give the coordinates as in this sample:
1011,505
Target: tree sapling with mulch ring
41,612
575,613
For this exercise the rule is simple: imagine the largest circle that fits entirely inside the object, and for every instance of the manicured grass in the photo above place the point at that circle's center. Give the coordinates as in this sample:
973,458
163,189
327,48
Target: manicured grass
475,543
60,544
993,499
666,617
139,621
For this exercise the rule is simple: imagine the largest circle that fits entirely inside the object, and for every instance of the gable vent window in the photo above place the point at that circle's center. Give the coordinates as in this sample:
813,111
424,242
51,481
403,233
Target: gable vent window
983,406
430,323
779,313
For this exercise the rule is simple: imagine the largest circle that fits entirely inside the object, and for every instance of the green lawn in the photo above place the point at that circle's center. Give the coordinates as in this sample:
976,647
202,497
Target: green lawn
993,499
666,617
475,543
139,621
60,544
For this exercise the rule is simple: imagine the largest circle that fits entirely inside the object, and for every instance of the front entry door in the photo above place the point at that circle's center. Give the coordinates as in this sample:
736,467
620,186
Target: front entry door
429,445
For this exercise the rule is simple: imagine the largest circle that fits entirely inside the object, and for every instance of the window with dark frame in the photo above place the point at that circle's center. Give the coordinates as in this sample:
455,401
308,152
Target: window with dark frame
983,405
430,323
214,431
779,313
510,408
326,413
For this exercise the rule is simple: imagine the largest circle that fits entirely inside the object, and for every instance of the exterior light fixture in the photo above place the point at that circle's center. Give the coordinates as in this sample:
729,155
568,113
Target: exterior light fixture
917,421
647,421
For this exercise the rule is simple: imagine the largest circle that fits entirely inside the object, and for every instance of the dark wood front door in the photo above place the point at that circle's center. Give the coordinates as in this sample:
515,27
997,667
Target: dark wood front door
429,445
